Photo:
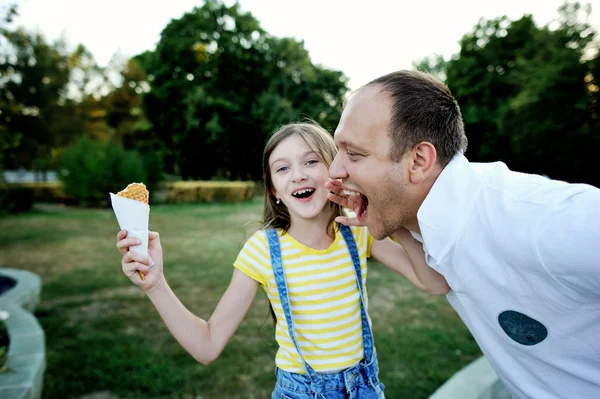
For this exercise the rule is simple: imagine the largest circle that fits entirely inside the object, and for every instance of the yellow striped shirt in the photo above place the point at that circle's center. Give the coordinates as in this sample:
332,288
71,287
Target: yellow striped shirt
323,295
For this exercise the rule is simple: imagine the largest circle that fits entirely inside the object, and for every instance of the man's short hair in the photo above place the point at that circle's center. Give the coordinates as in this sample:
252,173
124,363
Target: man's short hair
423,109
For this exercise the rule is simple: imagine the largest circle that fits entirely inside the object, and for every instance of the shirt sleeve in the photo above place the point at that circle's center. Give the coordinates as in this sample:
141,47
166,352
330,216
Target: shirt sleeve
567,241
254,259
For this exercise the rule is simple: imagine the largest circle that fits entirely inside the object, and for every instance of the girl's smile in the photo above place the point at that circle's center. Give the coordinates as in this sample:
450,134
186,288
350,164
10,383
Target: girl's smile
299,175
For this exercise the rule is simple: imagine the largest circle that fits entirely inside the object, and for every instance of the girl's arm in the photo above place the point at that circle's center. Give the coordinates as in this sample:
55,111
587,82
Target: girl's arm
408,260
204,340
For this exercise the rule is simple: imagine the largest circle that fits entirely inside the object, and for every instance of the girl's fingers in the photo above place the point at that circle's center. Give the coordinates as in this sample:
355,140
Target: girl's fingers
134,256
154,240
124,244
128,242
348,221
333,183
343,201
335,187
336,194
132,268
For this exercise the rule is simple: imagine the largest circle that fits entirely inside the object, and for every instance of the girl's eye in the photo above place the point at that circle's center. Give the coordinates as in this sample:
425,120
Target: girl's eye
283,168
312,161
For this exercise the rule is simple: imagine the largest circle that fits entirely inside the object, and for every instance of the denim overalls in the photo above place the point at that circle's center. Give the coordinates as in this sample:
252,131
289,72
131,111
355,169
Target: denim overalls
357,382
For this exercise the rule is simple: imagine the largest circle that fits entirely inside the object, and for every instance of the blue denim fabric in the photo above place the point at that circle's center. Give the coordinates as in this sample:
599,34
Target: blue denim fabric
357,382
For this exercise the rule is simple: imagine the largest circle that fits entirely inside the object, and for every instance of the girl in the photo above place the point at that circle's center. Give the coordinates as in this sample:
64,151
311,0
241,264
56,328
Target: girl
313,270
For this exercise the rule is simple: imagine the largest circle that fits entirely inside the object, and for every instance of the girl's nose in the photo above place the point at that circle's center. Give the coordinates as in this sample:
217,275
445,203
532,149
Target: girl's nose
298,176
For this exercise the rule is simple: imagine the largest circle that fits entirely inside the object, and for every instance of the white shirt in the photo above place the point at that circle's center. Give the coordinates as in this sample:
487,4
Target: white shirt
521,254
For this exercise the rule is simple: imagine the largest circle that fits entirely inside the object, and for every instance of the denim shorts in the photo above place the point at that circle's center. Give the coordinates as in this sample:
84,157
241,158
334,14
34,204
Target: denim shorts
357,382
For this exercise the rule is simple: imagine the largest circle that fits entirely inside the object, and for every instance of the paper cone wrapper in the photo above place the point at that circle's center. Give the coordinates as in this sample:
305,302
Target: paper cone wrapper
133,216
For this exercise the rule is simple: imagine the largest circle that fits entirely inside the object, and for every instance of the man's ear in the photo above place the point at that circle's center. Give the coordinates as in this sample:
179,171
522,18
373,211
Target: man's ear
422,162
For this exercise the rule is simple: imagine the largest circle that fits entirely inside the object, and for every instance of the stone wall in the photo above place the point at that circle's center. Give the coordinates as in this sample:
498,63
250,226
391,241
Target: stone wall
24,376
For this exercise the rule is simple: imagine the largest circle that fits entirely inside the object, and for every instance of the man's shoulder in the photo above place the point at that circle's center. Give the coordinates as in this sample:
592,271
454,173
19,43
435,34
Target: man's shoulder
520,209
524,188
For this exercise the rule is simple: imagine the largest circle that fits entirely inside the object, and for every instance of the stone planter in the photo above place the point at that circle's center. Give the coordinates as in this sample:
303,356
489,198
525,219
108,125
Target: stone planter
477,380
24,376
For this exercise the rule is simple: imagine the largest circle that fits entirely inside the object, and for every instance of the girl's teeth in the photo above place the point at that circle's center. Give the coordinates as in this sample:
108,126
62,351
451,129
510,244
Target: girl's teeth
302,191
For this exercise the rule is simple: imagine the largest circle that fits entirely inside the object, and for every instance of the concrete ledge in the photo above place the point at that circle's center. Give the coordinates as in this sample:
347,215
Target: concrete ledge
27,291
24,376
477,380
26,356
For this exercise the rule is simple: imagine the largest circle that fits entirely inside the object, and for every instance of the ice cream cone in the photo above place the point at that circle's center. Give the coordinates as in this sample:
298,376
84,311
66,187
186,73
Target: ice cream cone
135,191
132,212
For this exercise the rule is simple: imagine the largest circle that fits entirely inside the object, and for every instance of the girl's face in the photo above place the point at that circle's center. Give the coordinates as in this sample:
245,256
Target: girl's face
299,177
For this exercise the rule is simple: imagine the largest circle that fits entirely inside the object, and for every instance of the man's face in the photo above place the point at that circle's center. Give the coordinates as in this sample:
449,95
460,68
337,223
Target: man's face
364,165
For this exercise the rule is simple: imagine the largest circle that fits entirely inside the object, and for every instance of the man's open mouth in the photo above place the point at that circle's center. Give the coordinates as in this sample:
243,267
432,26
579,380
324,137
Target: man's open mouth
361,209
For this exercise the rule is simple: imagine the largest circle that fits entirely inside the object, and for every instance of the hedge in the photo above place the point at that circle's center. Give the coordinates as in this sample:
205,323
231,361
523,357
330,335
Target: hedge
19,197
208,191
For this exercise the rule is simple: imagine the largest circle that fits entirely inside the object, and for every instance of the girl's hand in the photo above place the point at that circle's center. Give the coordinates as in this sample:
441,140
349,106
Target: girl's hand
336,194
133,261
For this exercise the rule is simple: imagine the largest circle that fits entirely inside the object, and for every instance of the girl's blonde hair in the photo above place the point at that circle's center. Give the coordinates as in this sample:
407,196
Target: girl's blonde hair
319,140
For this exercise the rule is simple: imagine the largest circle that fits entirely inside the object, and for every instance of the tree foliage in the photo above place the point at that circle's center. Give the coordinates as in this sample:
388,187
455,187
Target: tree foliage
45,100
529,95
220,84
91,169
204,101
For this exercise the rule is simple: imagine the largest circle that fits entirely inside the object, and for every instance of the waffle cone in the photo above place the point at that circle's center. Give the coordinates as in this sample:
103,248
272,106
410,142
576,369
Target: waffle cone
137,192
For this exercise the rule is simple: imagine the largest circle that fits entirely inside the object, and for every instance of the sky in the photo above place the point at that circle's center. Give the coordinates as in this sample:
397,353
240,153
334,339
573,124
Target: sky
362,38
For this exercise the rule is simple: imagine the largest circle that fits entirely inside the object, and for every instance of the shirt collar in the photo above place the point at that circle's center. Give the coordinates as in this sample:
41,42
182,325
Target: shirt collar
446,208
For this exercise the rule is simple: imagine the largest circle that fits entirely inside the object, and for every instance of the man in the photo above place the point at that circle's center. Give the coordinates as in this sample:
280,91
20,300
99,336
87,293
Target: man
520,252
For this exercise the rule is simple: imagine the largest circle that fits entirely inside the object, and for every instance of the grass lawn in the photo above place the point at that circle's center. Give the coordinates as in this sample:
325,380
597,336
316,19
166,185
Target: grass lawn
102,333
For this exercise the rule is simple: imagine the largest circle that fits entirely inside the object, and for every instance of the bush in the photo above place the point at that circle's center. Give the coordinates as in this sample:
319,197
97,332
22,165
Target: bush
48,191
153,165
15,198
91,169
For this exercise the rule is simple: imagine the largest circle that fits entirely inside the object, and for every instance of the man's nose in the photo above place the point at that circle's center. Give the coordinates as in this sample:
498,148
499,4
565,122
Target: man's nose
336,169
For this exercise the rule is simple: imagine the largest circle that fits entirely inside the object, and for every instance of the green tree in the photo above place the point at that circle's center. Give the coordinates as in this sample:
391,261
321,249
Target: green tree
7,141
527,94
124,110
128,122
45,100
34,74
220,85
435,65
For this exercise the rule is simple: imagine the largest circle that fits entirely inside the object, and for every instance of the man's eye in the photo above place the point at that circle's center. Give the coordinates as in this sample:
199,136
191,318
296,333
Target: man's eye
352,155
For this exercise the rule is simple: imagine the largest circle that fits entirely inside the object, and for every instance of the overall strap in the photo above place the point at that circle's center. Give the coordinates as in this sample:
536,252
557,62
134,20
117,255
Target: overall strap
368,341
279,274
